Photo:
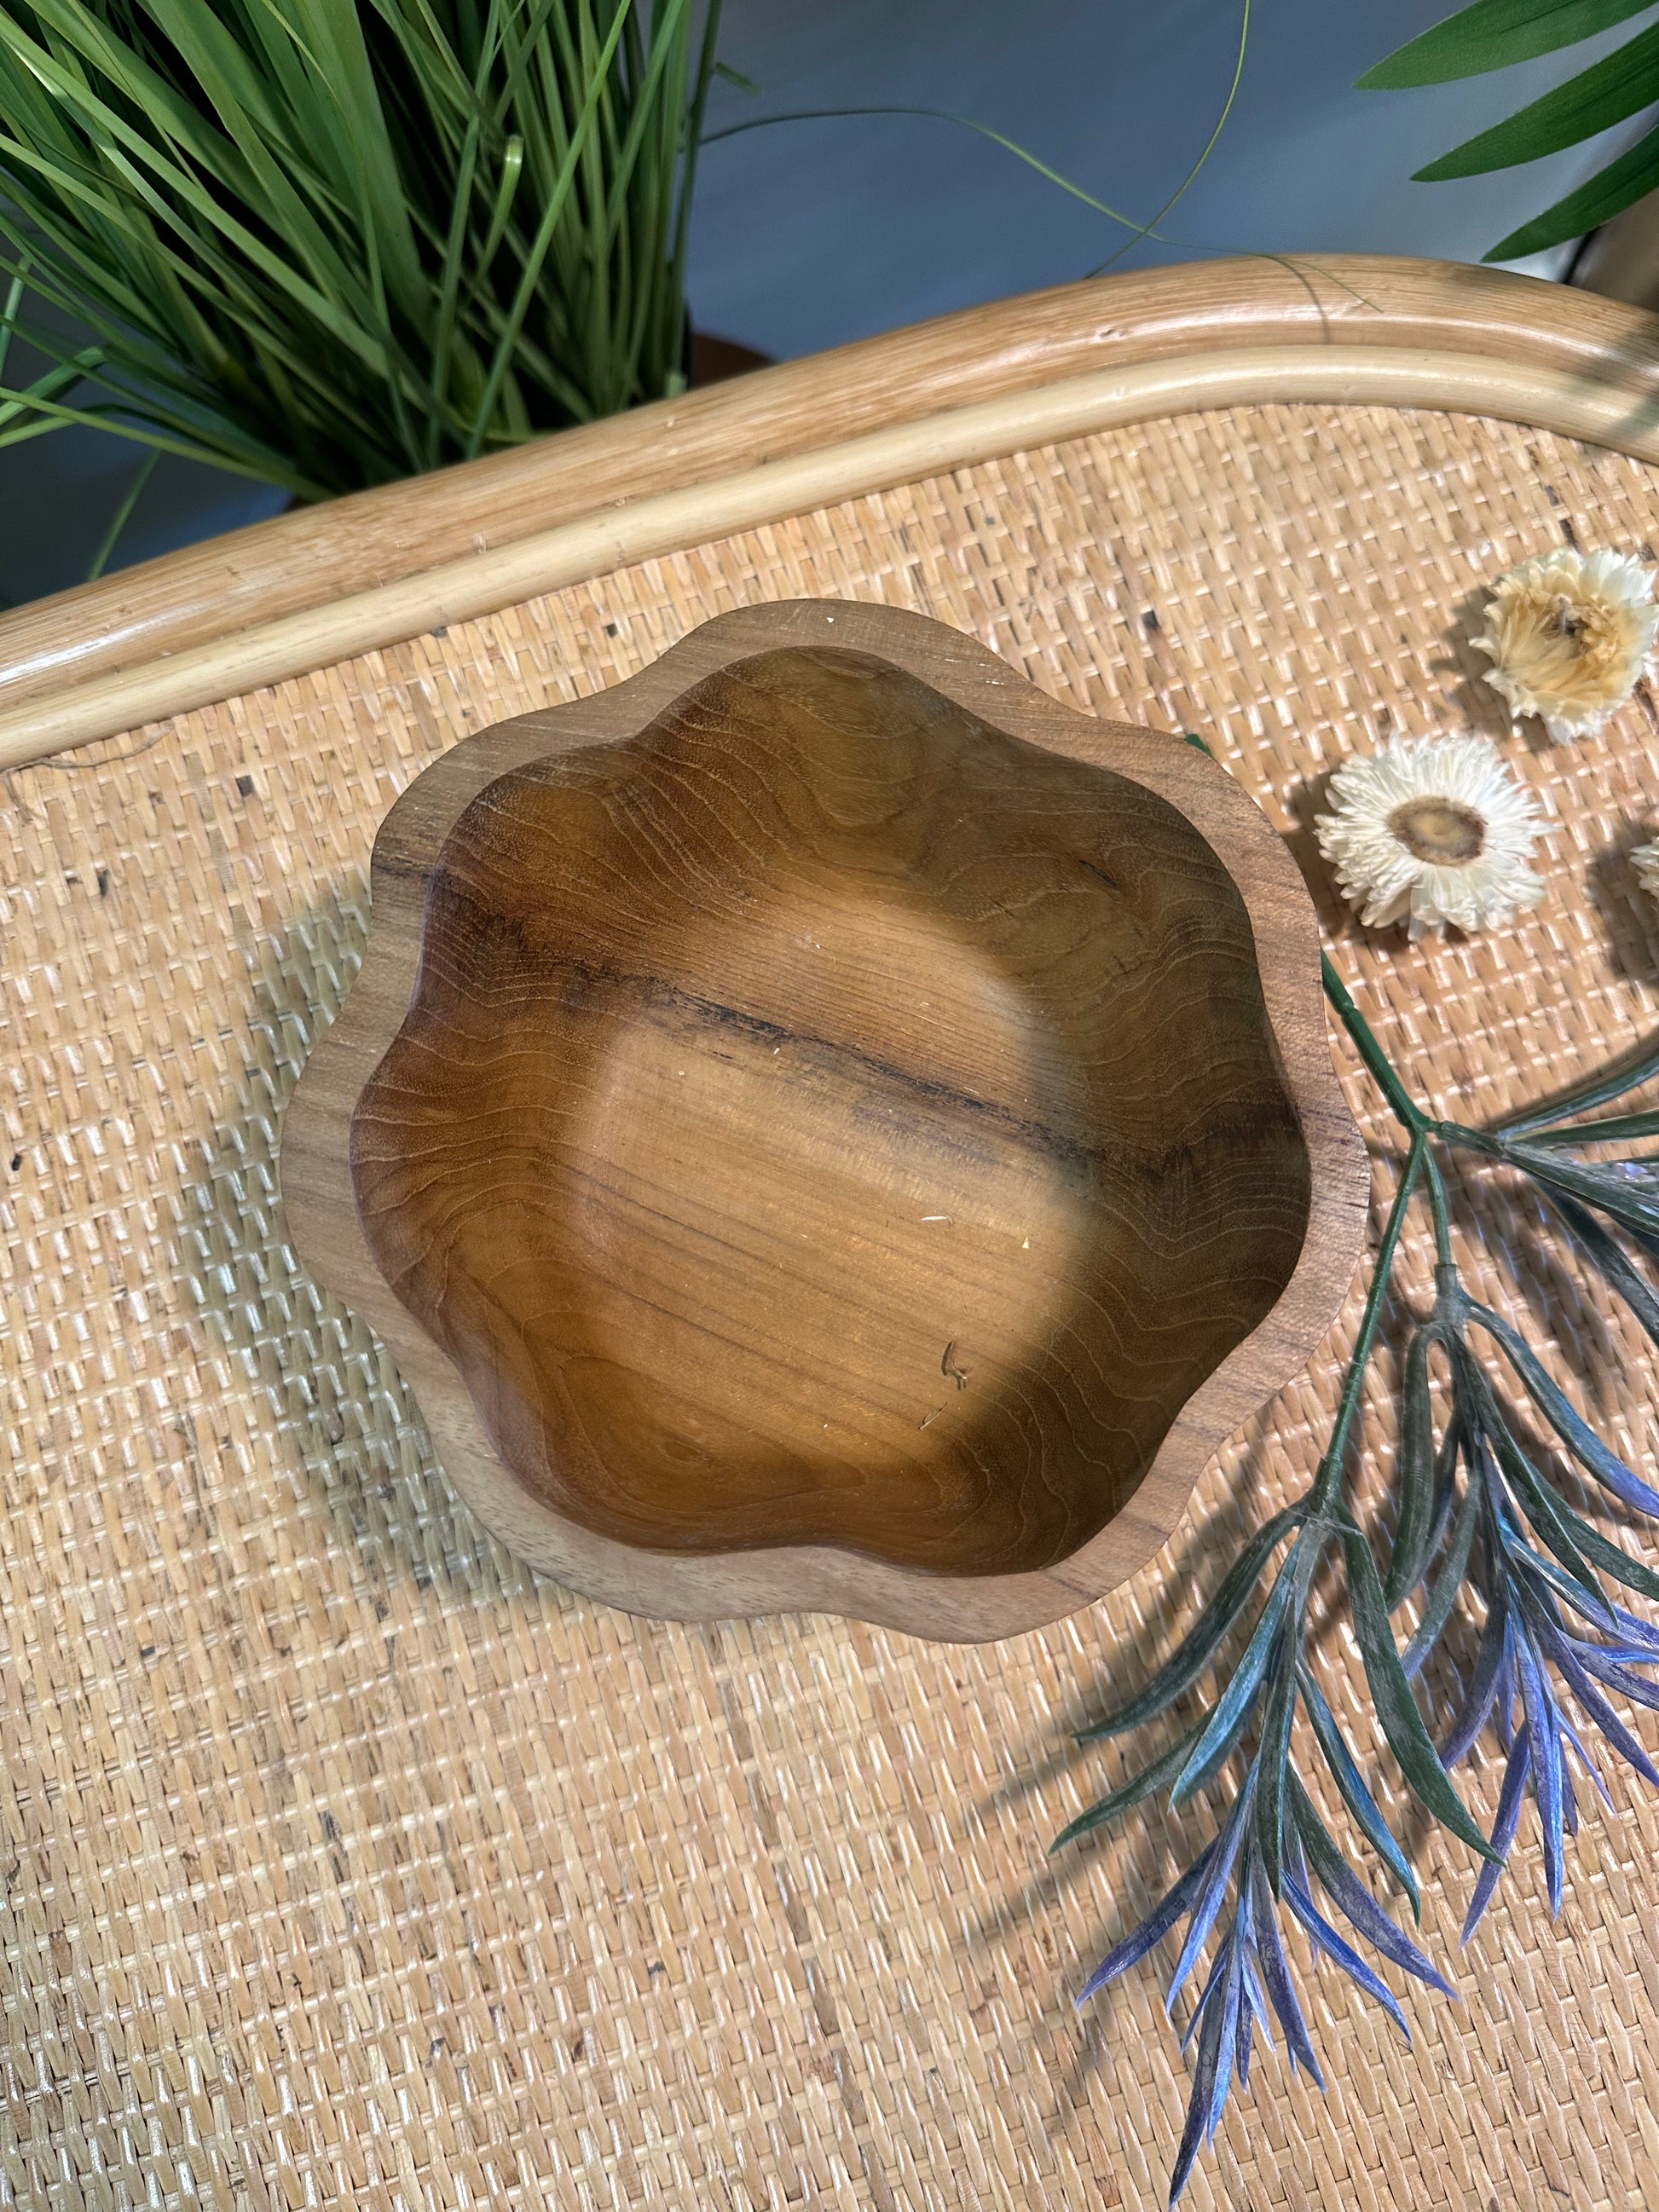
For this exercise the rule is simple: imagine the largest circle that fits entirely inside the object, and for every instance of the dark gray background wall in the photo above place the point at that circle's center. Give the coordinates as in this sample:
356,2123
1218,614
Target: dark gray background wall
814,232
811,232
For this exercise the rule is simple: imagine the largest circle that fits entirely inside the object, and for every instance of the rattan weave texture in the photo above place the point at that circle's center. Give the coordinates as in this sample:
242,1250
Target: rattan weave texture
345,1862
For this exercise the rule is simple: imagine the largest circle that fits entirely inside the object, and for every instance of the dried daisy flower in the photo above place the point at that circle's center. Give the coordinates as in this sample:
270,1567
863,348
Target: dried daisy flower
1432,830
1570,634
1644,858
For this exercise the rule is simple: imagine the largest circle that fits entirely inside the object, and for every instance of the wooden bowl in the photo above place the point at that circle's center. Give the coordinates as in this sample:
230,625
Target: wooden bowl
821,1124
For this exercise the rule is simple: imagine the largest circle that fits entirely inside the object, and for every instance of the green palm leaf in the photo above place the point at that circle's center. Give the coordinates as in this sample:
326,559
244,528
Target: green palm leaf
1609,193
1493,33
1619,85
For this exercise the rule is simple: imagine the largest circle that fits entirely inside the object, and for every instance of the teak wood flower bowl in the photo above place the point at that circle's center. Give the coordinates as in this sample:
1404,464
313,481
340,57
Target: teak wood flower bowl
823,1125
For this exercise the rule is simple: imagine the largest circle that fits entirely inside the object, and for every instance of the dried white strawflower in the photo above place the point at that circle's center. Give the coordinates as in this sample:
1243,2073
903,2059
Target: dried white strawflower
1644,858
1570,634
1432,829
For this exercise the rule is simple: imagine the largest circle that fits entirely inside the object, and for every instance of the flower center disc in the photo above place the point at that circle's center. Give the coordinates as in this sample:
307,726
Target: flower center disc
1438,830
1570,621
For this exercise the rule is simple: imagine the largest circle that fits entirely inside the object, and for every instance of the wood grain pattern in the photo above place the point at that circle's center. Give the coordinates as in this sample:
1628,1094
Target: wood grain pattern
314,586
823,1124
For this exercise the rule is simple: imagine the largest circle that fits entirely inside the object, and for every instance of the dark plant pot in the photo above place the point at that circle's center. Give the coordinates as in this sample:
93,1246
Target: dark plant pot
710,360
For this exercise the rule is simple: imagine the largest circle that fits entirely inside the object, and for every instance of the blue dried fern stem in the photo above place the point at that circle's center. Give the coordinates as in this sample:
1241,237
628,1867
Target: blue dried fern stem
1483,1518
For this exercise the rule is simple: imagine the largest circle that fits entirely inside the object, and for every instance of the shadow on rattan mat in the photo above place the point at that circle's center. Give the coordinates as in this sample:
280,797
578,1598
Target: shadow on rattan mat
350,1428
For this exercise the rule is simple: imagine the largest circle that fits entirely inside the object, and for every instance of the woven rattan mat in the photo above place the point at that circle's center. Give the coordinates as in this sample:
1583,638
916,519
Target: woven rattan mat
343,1862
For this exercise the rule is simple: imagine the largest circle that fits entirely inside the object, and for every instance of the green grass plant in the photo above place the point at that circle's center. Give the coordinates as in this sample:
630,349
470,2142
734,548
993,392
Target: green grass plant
328,243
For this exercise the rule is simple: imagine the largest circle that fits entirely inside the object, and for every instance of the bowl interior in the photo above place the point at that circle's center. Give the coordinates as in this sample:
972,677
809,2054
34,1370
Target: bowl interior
825,1118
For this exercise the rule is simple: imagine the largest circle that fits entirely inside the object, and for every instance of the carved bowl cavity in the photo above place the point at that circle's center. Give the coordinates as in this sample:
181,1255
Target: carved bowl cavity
827,1124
